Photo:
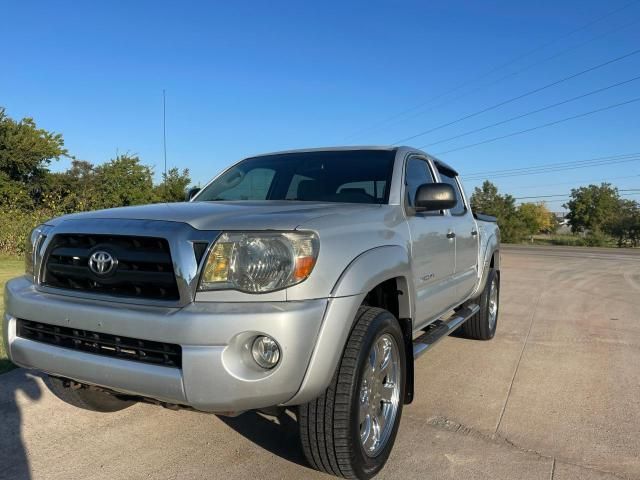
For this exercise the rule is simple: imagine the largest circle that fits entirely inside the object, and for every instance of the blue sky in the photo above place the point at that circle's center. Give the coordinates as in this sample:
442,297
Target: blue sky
250,77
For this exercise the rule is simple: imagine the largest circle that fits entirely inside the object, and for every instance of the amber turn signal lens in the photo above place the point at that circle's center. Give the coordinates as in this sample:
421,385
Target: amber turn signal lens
303,268
217,267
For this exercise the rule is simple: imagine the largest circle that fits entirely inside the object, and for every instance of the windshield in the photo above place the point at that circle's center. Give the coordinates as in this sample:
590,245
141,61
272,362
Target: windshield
353,176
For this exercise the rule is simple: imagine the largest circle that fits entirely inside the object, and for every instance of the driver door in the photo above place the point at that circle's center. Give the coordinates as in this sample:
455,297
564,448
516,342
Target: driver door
432,248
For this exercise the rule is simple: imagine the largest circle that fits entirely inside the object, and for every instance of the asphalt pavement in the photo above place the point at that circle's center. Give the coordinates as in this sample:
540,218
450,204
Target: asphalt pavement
556,395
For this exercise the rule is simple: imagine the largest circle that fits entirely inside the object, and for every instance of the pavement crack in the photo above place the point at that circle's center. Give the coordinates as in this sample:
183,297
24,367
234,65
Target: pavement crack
515,372
443,423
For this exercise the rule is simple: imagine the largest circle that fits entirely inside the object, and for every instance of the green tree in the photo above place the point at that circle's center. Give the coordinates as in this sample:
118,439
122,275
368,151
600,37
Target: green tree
14,193
76,188
173,186
535,218
123,181
592,207
625,225
487,200
26,150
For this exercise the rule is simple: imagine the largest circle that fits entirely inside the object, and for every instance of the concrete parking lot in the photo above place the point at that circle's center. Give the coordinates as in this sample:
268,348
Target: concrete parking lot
556,395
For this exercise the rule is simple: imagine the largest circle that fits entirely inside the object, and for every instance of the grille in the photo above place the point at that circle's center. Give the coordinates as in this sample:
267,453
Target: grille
157,353
143,267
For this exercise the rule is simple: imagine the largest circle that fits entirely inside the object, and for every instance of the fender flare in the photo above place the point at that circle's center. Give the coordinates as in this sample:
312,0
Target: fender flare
491,250
367,270
373,267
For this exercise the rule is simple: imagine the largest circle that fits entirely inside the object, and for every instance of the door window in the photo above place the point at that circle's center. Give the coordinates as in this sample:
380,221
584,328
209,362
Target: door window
450,178
416,173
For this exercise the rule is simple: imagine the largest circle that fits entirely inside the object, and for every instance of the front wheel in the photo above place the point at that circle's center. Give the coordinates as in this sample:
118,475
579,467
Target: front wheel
350,429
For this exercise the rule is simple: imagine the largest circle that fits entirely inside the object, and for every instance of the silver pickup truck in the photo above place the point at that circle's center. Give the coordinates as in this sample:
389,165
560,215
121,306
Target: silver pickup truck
308,280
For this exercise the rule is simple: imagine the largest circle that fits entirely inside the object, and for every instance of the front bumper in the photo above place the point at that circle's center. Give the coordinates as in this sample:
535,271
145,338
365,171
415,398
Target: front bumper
217,374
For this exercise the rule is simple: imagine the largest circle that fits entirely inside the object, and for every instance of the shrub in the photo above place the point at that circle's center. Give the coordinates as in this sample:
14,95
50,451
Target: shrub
568,241
16,225
596,239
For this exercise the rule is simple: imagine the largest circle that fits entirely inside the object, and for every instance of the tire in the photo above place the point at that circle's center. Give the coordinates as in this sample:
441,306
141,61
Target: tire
330,425
481,326
85,398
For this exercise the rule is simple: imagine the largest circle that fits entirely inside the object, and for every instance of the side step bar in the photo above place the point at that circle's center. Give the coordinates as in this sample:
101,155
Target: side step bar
441,328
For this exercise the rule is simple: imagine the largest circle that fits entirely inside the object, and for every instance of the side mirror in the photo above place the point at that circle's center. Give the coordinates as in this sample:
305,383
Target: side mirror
431,197
191,193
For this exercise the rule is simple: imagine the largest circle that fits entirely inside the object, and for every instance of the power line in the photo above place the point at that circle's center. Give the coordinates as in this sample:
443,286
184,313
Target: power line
556,169
499,67
564,195
556,164
583,27
532,112
518,97
538,127
553,169
574,182
511,74
567,198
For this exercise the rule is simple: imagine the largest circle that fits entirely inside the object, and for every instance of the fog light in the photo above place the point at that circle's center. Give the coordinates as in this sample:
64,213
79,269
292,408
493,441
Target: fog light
265,351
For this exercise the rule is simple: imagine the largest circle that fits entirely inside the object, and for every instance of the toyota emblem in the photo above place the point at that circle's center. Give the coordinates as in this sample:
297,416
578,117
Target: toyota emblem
101,262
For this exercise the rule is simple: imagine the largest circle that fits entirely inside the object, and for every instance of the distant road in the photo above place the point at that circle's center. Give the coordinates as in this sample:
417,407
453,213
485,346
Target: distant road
583,252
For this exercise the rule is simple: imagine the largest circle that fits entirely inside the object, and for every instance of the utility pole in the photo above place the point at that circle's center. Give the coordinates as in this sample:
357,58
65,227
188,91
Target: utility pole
164,137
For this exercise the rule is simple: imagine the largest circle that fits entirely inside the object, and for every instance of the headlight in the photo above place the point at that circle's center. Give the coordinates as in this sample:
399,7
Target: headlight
259,262
34,240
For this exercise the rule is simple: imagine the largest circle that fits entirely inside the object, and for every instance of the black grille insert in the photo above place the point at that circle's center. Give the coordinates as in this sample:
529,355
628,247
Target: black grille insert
142,266
157,353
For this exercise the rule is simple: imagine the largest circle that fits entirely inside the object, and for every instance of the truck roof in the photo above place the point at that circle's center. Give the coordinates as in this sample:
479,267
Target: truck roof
389,148
330,149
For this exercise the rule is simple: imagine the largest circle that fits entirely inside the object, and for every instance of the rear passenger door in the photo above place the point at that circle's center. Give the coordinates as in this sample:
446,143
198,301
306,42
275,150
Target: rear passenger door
432,251
466,237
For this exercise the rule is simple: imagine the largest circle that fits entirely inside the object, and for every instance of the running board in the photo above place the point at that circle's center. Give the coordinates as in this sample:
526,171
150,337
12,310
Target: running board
439,329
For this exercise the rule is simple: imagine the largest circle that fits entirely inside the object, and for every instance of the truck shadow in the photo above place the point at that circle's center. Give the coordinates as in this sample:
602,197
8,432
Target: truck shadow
14,463
278,435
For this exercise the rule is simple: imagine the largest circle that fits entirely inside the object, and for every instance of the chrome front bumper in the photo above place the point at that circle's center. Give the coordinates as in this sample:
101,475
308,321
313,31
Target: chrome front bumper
217,374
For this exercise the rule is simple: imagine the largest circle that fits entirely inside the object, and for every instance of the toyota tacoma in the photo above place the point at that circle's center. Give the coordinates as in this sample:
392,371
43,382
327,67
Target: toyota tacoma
308,280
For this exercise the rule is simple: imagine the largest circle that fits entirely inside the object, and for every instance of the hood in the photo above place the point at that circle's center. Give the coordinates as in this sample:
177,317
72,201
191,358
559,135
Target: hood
240,215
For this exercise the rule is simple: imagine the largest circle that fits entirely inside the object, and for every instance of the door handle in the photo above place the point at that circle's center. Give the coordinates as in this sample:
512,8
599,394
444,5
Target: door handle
474,232
451,235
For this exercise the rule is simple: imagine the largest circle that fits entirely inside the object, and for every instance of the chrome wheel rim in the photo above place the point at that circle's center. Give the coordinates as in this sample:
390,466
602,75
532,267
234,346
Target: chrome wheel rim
379,395
493,304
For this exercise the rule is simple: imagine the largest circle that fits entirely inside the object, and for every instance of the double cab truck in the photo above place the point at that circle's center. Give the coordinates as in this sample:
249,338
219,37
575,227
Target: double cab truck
308,280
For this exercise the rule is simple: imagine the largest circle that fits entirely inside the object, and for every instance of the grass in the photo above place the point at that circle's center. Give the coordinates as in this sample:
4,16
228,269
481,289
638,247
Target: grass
10,267
571,240
564,240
